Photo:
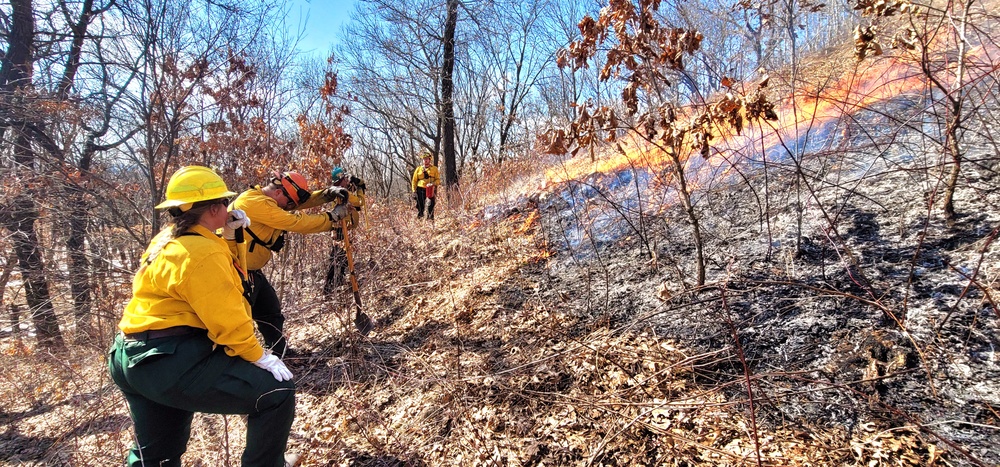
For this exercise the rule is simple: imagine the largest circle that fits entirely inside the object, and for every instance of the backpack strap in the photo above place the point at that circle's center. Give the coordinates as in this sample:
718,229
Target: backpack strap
274,246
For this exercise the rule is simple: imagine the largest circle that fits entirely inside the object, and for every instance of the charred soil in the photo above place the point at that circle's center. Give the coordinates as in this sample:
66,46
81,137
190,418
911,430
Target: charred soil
858,329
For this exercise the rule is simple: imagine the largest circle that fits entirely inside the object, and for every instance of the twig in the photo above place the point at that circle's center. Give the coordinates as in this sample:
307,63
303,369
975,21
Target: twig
746,372
430,283
972,280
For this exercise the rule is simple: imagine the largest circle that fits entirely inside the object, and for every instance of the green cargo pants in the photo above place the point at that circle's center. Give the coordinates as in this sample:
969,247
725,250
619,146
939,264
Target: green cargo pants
166,380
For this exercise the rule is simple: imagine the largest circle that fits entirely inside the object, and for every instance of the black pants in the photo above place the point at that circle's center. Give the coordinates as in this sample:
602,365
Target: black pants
422,201
337,269
265,308
165,380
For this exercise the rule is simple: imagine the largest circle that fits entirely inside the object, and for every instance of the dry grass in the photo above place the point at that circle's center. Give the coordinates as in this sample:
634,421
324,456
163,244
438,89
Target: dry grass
476,360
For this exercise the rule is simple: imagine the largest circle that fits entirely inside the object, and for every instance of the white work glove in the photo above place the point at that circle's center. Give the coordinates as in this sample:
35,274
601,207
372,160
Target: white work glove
339,212
335,193
274,364
237,219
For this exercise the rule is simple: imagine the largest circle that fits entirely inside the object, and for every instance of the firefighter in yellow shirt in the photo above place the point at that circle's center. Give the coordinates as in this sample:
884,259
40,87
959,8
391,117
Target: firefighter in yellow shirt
275,208
423,184
187,341
356,199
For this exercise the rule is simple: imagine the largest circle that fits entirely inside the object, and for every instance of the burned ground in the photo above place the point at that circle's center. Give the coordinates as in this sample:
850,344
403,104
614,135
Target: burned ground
562,326
879,323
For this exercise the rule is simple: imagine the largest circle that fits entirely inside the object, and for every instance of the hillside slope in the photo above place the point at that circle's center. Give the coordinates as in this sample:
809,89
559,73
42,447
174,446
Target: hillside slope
499,342
556,322
503,342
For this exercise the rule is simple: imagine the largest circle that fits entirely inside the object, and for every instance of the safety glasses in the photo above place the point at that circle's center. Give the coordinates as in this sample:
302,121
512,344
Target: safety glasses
301,195
211,202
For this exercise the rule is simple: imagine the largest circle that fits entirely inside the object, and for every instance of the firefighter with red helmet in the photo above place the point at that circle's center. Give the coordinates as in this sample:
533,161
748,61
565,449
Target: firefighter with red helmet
274,209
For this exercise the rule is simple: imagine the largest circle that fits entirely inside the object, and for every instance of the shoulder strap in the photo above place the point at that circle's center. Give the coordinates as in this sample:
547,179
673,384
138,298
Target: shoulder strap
256,240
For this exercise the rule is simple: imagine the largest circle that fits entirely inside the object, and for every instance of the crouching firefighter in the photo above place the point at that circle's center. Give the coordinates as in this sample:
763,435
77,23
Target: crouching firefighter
187,341
274,209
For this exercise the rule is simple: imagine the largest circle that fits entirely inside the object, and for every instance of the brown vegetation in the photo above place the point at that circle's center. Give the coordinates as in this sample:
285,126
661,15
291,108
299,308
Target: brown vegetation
496,345
738,274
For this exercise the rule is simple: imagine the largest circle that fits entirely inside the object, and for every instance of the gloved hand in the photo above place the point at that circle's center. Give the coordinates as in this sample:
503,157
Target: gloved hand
335,192
339,212
237,219
414,196
271,363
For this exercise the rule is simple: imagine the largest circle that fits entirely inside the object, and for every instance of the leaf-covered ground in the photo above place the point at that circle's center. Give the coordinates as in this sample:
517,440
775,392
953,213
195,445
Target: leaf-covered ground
503,341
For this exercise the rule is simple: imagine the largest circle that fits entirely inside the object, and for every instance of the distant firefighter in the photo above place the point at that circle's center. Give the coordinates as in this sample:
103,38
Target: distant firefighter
423,185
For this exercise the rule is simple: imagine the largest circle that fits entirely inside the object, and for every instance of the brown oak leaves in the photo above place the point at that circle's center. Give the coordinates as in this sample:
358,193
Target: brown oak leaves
644,53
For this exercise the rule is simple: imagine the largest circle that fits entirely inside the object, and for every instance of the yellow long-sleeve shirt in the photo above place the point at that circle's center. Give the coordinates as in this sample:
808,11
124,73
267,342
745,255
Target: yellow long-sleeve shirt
423,176
268,221
193,282
356,192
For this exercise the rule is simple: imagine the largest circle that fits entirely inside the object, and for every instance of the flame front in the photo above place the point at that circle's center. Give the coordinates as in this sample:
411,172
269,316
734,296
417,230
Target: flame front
807,111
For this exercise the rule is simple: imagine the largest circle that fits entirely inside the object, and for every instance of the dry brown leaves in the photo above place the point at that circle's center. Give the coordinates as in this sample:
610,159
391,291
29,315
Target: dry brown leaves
883,8
642,49
893,447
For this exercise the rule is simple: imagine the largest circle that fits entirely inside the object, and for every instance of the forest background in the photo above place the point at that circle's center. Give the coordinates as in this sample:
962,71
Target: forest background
103,100
113,96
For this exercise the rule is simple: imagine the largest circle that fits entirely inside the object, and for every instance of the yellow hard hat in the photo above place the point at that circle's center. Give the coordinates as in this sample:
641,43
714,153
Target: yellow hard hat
191,184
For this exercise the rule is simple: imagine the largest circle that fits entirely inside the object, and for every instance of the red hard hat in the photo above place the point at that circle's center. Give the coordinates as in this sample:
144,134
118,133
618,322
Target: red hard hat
295,187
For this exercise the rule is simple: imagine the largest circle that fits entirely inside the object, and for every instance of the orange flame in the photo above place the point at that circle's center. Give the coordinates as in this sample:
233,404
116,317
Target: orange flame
871,82
528,223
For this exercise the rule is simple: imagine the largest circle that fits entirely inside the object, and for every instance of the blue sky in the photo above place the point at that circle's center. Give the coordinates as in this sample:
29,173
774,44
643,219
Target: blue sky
323,24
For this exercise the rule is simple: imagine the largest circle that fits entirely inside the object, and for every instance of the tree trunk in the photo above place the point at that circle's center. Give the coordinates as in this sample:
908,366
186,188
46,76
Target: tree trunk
19,215
18,61
79,31
79,265
447,105
955,151
19,218
8,269
955,119
685,196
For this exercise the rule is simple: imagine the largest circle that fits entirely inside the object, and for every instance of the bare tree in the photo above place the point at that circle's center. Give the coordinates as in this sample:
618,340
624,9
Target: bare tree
447,114
939,38
560,86
390,62
183,47
19,211
515,56
645,53
76,199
